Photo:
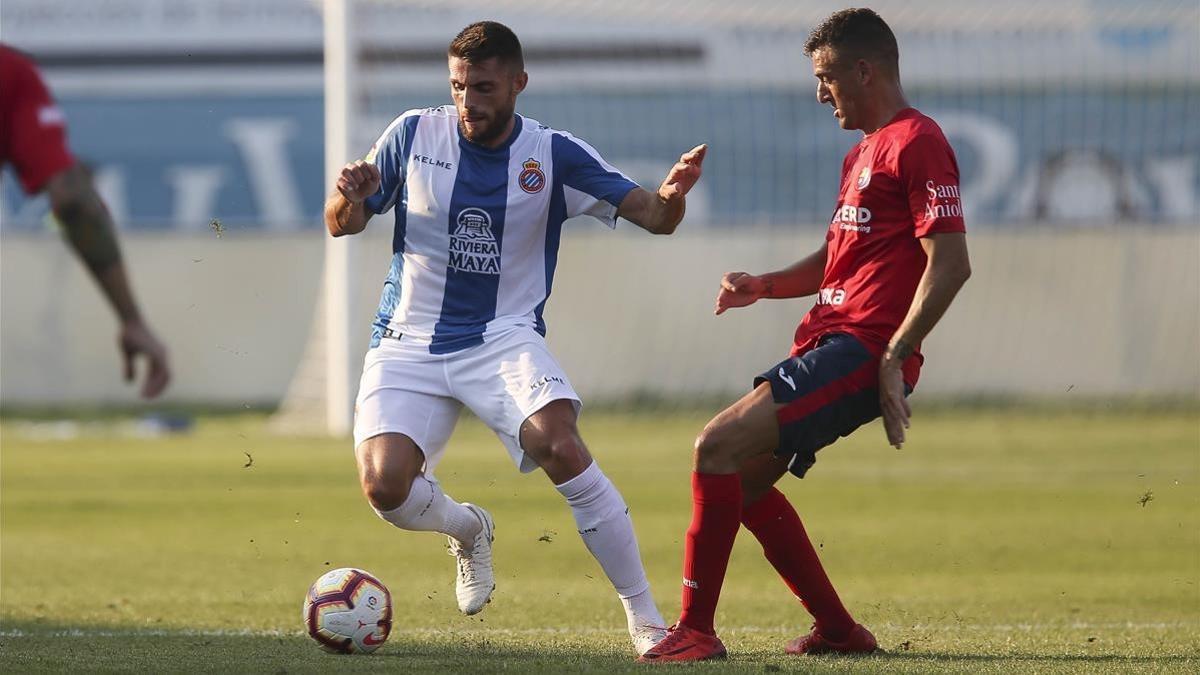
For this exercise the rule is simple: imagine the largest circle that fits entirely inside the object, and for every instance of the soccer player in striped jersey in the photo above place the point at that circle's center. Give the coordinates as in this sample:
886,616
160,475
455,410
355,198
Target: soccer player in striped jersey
480,194
894,257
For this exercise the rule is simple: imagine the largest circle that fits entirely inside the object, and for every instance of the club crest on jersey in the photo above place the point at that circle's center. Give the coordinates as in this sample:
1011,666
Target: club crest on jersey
532,180
473,247
864,178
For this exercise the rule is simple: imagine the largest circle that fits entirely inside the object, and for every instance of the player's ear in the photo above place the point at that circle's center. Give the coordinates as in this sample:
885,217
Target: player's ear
865,71
520,80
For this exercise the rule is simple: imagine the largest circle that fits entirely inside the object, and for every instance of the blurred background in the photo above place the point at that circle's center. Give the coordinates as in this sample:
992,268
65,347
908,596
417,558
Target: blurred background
1074,123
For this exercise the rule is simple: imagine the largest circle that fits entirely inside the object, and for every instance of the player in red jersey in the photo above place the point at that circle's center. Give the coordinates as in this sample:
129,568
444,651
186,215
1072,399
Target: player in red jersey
33,140
894,257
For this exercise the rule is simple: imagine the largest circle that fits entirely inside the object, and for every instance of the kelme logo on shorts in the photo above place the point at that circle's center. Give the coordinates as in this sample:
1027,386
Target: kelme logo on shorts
473,248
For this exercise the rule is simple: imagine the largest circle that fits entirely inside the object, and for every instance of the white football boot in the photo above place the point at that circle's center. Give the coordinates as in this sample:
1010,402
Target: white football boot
476,580
645,637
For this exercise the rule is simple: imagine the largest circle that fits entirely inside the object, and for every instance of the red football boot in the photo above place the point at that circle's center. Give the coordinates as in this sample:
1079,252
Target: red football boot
684,644
859,641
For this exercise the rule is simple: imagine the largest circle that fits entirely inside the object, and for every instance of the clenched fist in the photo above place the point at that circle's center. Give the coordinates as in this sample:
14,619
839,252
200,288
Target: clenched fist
358,181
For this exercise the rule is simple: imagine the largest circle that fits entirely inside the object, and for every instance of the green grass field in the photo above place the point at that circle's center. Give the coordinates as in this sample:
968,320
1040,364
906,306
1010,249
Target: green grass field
995,541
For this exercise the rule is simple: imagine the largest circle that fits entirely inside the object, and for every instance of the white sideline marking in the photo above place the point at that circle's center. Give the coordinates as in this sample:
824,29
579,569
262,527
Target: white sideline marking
595,630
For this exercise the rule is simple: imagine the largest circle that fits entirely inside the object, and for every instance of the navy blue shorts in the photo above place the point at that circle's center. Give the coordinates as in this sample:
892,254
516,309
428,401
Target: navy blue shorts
825,393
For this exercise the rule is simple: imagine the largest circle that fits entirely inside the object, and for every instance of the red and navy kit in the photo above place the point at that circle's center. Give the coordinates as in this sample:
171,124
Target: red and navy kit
899,184
33,135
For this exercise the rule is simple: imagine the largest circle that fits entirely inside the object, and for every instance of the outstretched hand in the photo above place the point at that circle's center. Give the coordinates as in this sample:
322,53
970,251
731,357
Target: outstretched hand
739,289
359,180
683,176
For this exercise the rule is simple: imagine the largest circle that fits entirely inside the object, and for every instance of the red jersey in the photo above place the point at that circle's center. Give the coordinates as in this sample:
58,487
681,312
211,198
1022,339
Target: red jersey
899,184
33,134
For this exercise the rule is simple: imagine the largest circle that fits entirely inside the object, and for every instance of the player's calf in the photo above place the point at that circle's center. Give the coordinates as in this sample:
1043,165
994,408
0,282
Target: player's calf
551,437
391,473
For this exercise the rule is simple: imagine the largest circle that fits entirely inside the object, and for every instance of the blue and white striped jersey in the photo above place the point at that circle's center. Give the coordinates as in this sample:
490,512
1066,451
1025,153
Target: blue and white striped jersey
477,229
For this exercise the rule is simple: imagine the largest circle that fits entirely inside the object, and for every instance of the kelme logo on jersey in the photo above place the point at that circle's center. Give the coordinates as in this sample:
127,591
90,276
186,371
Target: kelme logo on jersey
473,248
864,178
532,179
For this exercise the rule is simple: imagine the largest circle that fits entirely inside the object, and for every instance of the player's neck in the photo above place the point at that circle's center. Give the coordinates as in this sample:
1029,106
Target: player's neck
889,104
504,136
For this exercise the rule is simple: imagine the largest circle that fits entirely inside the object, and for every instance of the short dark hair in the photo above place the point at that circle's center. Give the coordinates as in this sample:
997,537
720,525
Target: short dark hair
857,33
485,40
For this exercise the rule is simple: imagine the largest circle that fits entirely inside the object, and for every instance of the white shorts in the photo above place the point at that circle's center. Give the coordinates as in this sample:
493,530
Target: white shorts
404,389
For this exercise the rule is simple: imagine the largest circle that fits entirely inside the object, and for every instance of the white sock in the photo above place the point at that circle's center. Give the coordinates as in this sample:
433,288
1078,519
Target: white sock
428,509
604,524
640,610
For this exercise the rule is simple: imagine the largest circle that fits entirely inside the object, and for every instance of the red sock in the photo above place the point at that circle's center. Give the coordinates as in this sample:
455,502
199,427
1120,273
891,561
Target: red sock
777,527
716,511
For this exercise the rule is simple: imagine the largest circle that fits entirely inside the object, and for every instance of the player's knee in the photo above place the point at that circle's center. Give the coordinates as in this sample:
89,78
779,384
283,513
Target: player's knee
561,455
567,448
384,494
714,450
387,467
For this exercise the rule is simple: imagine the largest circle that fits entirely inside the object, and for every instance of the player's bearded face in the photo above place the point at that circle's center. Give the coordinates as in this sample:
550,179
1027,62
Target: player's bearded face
485,95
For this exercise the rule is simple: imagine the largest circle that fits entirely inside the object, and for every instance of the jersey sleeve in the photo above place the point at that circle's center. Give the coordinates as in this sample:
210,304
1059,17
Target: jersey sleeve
590,185
929,173
38,141
390,156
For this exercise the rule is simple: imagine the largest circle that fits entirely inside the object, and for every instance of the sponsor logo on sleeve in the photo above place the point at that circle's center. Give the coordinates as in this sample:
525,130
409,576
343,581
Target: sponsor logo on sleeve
944,201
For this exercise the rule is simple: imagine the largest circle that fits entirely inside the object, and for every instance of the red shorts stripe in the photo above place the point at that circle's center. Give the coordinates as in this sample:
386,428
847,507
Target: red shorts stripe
864,377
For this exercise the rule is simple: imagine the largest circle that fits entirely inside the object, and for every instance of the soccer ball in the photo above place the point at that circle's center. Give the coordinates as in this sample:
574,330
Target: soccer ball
348,611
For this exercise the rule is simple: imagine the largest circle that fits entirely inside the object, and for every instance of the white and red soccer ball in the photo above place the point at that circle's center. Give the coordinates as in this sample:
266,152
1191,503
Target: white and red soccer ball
348,611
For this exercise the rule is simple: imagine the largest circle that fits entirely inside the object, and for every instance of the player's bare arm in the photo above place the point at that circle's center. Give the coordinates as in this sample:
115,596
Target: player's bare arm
89,228
739,289
660,212
947,269
344,210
